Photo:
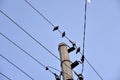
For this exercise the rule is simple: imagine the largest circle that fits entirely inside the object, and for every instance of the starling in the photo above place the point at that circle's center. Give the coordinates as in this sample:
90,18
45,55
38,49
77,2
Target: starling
56,28
63,34
78,50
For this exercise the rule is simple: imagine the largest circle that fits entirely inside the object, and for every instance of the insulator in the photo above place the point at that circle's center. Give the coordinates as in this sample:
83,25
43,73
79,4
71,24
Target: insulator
80,77
71,49
73,65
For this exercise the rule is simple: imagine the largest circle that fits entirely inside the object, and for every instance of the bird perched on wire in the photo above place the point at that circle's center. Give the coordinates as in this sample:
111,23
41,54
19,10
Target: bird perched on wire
63,34
78,50
82,59
55,28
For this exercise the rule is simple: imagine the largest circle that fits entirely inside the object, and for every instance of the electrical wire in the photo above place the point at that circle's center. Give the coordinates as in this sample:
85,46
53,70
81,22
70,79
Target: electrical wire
47,20
67,37
94,69
21,49
16,67
5,76
53,68
84,33
26,52
40,14
47,68
58,70
45,47
85,16
30,37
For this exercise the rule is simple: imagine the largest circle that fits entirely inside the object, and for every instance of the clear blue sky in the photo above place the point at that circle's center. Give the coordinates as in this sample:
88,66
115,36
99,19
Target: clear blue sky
102,37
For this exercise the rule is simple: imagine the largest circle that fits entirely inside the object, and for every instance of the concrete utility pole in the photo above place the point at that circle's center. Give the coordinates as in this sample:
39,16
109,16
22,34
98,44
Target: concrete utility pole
65,62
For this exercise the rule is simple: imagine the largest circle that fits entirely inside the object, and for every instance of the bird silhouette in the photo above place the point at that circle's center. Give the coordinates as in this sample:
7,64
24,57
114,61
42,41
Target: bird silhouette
63,34
56,28
47,68
78,50
82,59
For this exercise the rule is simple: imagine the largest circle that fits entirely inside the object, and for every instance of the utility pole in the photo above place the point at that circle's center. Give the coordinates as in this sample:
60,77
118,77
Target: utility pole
65,62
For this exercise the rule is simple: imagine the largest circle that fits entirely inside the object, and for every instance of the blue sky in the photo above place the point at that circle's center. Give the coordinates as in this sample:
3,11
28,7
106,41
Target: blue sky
102,37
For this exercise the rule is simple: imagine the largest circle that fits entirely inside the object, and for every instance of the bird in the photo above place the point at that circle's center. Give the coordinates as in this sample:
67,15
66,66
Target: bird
78,50
47,68
55,28
82,59
63,34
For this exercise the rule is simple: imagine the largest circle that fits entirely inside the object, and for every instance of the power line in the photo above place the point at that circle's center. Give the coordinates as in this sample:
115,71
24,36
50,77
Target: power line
29,35
66,36
85,16
84,32
53,68
44,46
16,67
5,76
47,68
21,49
94,69
26,52
41,14
58,70
48,21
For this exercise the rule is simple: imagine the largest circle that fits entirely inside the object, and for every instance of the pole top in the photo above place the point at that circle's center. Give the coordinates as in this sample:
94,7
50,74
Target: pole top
61,44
